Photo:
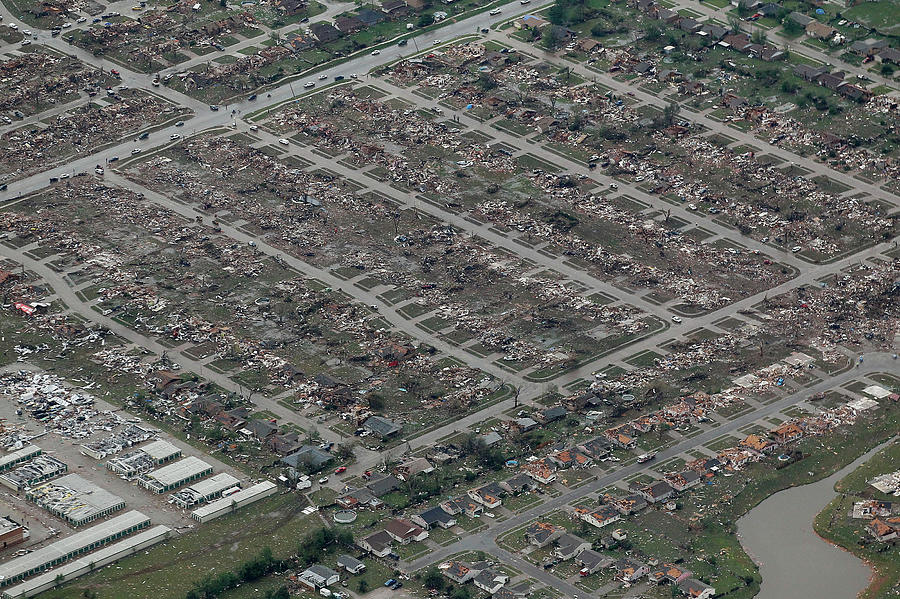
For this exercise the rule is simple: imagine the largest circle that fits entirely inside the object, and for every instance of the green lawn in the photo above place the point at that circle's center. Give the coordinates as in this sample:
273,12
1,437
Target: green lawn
169,569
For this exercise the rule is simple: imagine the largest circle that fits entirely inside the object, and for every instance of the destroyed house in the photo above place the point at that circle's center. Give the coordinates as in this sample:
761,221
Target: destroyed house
570,458
787,433
668,573
518,483
681,481
261,429
348,25
630,504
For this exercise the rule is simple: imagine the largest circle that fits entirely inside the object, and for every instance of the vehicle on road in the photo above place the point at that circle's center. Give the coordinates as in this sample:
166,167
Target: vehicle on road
284,142
98,170
495,12
252,97
175,136
26,42
402,43
677,319
254,127
65,176
309,84
524,2
435,42
114,158
26,32
340,470
338,77
645,457
796,249
322,77
214,107
81,19
323,480
136,151
376,52
354,76
179,124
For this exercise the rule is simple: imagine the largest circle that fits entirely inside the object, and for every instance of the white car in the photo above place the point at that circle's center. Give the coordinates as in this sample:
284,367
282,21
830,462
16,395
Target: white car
81,19
26,42
435,42
66,25
524,2
284,142
254,127
13,26
796,249
323,480
310,84
495,12
98,170
692,206
174,136
136,151
353,76
65,176
677,319
323,76
376,52
26,32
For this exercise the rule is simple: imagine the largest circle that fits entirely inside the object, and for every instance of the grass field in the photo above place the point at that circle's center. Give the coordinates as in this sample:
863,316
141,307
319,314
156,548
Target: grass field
834,524
170,569
883,16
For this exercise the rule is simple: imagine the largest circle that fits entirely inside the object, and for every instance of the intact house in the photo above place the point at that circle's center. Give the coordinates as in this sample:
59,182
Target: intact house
693,588
382,427
432,517
404,531
489,581
541,534
350,564
593,561
568,546
358,498
378,544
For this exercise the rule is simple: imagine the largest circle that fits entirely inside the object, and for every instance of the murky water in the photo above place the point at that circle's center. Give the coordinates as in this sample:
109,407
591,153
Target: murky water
793,561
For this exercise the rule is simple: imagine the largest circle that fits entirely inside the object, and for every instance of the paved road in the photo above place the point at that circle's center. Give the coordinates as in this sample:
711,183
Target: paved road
874,362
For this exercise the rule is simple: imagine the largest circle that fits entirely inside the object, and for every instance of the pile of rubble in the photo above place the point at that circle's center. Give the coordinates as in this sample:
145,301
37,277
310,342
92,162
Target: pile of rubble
36,77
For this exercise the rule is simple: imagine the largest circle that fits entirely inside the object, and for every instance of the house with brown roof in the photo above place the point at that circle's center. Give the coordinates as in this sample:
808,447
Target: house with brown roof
404,531
758,444
570,458
884,530
668,573
787,433
378,544
540,471
820,31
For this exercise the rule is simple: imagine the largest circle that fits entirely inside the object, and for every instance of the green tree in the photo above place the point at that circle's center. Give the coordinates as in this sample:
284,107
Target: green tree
434,580
362,586
425,20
